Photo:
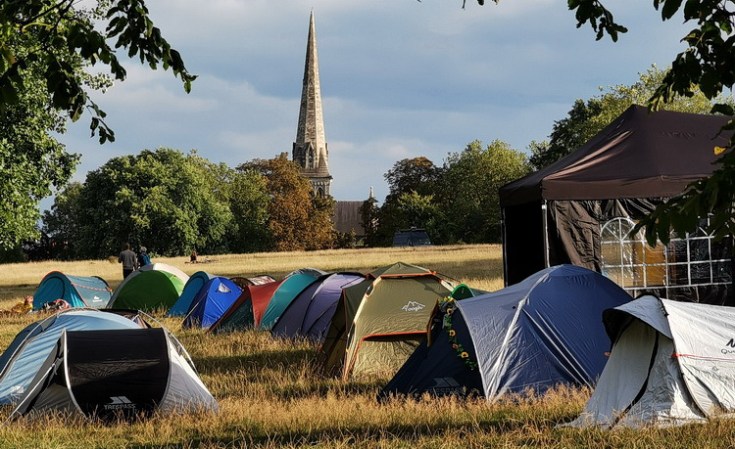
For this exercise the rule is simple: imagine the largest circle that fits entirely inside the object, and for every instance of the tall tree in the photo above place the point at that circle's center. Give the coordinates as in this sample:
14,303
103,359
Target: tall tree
61,223
249,200
370,220
322,225
91,32
422,212
469,189
32,163
162,199
415,176
298,220
418,175
45,46
706,64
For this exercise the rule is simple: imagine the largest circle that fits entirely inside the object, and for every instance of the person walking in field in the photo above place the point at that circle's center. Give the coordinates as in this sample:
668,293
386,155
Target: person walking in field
128,259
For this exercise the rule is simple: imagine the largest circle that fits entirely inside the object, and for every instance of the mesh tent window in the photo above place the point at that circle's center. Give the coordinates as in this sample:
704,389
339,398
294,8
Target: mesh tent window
687,261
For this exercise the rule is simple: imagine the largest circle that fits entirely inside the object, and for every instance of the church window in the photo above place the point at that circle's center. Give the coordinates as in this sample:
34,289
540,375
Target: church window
311,158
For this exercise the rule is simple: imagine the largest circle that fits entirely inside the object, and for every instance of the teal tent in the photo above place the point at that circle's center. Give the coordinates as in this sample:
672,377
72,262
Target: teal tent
78,291
291,286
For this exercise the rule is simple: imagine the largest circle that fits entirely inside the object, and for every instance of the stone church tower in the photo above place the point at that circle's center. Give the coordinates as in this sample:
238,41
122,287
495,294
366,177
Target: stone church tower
310,148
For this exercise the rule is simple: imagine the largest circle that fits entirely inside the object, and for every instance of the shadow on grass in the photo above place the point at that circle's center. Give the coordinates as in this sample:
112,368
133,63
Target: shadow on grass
257,361
405,435
258,369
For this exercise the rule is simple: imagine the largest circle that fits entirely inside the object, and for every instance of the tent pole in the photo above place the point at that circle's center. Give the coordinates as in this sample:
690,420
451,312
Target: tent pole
504,236
545,225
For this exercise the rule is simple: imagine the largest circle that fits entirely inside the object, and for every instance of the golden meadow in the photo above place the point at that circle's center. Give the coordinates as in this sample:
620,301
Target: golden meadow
271,394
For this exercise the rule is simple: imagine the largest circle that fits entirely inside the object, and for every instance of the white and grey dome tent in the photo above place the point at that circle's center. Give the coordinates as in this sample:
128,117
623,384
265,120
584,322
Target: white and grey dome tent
116,374
671,363
21,360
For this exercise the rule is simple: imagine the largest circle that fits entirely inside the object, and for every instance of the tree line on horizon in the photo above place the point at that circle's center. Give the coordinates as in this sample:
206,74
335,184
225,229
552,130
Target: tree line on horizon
173,202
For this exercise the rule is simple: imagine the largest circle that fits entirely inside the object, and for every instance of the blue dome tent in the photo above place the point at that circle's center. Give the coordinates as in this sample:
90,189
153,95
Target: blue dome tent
544,331
215,297
191,289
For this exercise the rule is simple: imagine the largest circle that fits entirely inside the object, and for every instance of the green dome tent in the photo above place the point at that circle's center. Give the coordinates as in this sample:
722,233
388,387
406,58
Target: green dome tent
155,286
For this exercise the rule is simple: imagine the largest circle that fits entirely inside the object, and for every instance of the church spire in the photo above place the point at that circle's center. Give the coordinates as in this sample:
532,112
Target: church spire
310,148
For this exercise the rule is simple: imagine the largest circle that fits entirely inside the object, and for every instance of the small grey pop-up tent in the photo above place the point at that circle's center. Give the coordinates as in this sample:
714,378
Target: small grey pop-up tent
671,363
544,331
116,374
581,209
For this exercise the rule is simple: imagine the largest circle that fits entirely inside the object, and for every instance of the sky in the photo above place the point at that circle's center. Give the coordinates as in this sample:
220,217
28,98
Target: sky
399,79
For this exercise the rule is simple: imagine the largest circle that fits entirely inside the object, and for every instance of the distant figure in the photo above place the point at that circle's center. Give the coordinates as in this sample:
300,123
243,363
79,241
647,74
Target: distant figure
128,259
143,258
193,257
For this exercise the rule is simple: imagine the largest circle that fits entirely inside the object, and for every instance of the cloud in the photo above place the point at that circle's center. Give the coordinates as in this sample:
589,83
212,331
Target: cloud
155,92
399,79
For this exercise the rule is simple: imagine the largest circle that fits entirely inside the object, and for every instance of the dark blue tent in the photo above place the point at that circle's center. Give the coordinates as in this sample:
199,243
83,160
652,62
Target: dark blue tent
544,331
214,298
311,311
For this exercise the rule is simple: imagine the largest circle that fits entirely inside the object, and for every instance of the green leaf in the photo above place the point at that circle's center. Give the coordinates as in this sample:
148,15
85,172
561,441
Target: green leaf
724,109
670,8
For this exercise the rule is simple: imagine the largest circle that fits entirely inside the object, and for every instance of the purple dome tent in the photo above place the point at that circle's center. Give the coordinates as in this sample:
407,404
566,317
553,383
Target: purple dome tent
310,313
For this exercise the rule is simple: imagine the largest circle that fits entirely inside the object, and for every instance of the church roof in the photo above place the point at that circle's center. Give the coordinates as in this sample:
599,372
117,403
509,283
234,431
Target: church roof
347,217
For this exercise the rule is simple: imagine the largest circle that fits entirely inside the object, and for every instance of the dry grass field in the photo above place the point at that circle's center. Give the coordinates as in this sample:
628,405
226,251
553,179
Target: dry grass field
271,394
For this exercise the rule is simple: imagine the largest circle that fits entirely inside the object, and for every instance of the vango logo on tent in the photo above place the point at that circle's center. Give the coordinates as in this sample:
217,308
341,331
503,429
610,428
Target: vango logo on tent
413,306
